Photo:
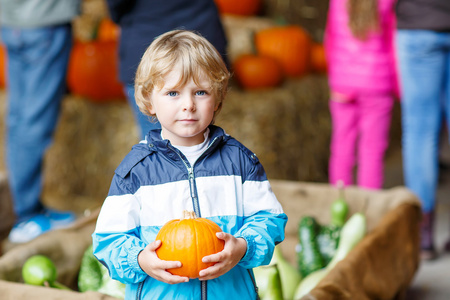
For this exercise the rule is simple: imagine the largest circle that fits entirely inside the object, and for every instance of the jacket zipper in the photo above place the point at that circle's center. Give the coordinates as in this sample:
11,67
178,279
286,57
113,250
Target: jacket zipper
139,290
254,283
195,204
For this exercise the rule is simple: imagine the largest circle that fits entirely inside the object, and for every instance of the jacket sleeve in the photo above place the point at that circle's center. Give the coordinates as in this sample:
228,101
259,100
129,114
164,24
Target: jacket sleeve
116,240
264,219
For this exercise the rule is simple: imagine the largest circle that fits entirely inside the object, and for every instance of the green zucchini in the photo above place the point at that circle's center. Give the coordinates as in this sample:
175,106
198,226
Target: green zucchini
309,257
328,241
352,233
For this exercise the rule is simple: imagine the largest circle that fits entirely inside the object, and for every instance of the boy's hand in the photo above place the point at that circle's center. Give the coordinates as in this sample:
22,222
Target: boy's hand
226,259
156,268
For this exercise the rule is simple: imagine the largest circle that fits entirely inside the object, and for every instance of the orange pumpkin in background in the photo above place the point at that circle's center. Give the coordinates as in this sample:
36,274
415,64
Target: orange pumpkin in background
93,65
92,71
257,72
188,240
108,30
318,58
2,66
239,7
290,45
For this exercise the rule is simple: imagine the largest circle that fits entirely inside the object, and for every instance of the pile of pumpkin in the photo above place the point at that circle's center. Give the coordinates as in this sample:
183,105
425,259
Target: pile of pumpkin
283,51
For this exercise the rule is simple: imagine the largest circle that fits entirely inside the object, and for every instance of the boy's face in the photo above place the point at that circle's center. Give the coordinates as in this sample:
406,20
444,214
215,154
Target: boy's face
183,112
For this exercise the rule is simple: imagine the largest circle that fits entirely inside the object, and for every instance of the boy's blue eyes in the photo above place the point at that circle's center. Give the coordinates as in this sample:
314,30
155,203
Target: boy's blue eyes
199,93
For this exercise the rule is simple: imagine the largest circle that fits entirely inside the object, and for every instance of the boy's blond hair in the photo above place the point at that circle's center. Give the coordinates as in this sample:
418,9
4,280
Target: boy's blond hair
188,50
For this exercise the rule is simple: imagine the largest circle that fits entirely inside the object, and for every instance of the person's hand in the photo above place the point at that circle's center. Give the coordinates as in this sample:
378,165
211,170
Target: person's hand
226,259
156,268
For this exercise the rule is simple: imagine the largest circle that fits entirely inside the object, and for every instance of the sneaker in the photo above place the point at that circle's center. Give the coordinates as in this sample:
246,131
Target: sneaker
59,219
30,229
27,230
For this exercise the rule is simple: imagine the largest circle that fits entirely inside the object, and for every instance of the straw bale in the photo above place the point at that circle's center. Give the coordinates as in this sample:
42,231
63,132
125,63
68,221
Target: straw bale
90,141
288,127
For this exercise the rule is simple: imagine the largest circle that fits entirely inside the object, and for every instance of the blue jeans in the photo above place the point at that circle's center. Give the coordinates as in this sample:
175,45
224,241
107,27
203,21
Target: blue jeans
37,67
424,65
144,122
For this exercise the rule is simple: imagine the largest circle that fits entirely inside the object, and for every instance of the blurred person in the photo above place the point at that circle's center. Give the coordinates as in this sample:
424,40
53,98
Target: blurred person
423,51
141,21
37,35
362,78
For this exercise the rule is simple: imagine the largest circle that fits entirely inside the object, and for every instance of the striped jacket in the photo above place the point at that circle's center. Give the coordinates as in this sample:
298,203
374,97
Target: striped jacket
155,182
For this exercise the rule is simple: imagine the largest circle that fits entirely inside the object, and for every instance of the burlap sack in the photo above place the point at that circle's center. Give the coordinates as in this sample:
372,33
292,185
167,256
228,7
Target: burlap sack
383,263
65,247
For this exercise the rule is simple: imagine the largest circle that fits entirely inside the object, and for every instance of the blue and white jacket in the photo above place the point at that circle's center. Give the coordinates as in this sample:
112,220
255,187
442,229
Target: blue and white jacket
155,183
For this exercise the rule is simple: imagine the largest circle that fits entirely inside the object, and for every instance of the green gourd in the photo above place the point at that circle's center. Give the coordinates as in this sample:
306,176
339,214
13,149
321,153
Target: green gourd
328,241
352,233
339,207
93,276
309,257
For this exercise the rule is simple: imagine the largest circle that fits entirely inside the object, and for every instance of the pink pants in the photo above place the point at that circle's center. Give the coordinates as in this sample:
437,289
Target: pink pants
360,136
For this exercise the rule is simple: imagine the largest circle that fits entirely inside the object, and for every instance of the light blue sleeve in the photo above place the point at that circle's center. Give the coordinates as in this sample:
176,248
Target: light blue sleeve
116,239
262,232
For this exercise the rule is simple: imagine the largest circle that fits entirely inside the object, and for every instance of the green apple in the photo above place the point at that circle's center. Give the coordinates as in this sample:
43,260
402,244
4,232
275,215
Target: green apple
39,270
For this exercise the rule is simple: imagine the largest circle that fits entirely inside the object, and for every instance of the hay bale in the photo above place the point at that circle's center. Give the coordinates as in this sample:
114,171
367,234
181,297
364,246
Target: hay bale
288,127
90,141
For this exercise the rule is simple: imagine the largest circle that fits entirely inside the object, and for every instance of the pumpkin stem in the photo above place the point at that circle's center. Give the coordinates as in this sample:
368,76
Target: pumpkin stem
189,215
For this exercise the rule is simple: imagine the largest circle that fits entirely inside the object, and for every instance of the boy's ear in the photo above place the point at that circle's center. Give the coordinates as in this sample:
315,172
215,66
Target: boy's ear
216,107
150,108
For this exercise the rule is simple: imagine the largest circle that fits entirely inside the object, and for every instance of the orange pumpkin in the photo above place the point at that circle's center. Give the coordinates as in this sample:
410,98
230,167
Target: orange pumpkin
2,66
188,240
92,71
318,58
238,7
257,72
290,45
108,30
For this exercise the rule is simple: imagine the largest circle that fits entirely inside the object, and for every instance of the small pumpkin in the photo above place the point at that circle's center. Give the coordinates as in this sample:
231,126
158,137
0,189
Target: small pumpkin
188,240
290,45
238,7
257,71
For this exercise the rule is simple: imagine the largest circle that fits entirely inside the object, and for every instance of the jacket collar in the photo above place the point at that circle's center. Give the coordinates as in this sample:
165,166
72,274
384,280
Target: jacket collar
154,141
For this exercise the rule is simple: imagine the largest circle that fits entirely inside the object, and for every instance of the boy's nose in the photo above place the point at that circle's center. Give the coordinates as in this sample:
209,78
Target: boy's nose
189,104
